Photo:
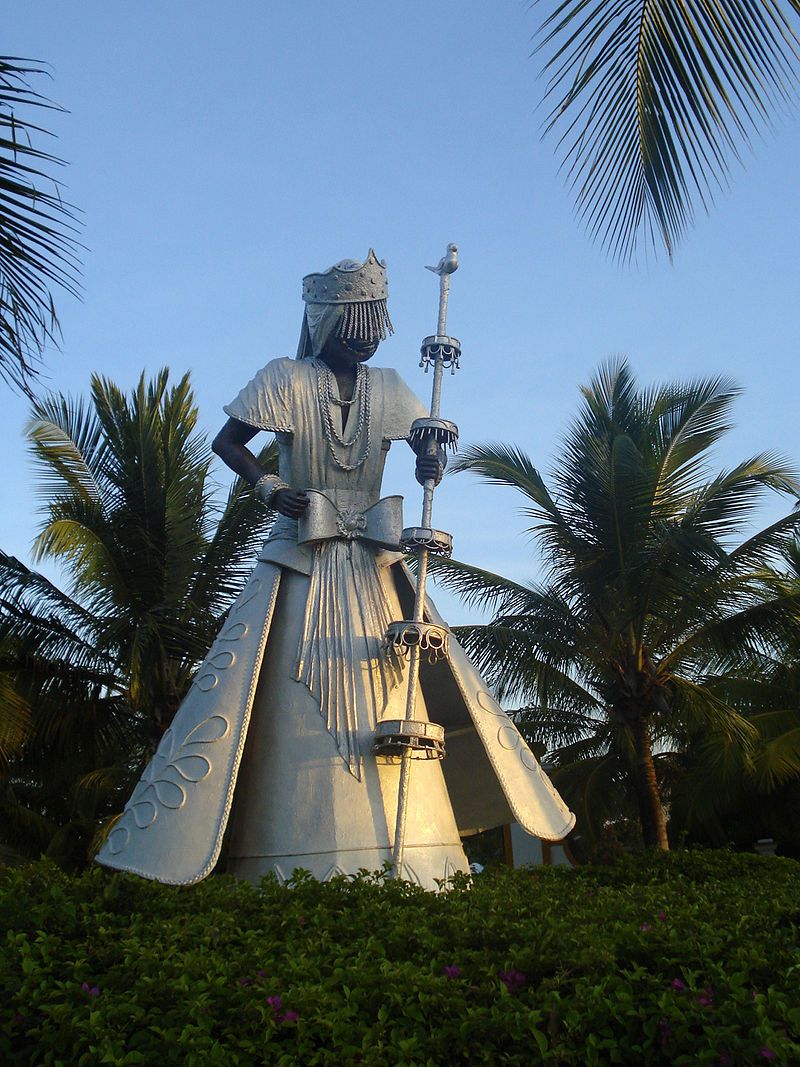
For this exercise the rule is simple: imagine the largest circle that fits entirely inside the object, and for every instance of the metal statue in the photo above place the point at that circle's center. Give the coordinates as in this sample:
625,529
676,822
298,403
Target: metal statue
290,748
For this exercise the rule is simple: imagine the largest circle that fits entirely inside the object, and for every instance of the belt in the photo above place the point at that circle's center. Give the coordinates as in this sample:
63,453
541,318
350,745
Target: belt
323,520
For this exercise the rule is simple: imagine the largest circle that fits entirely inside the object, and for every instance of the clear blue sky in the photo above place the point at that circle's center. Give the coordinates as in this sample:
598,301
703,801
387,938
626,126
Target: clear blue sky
220,152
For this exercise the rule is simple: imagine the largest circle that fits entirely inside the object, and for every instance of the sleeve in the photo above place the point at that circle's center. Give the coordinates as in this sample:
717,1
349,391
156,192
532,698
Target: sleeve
401,407
266,400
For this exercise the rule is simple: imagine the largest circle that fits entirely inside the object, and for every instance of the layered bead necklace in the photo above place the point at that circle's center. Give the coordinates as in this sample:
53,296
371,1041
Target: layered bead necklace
330,405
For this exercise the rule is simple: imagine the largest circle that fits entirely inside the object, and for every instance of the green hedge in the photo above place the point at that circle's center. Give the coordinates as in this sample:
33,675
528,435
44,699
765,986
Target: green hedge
688,958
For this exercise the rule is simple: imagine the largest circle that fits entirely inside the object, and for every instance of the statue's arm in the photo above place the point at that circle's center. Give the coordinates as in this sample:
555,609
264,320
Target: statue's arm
230,445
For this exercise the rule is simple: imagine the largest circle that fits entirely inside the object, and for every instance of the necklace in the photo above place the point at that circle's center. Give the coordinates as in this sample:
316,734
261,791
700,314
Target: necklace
329,401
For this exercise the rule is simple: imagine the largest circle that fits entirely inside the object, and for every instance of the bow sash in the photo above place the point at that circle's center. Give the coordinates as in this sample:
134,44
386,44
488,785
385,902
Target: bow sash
381,523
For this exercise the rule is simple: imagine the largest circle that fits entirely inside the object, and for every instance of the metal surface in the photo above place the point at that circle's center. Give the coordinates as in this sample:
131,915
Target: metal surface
418,739
326,518
441,347
436,350
437,541
428,637
277,733
442,431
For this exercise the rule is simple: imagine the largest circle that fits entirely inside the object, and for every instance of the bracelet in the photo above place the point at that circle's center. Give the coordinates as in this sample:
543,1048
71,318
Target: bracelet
267,486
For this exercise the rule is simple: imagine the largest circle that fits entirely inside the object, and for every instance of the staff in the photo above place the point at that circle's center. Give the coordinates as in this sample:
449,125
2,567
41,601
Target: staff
408,737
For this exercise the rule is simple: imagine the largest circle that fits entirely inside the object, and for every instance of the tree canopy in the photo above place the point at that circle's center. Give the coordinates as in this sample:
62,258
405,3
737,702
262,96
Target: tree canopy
93,674
658,611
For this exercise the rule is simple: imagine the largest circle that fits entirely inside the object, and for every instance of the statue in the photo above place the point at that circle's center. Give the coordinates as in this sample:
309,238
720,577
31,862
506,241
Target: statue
279,740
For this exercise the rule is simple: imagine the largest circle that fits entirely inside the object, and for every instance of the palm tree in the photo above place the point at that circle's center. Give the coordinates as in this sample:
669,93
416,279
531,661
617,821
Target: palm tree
38,249
95,673
653,98
654,617
718,794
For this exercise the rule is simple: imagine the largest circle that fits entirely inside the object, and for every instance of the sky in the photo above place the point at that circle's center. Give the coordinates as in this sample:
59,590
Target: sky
220,152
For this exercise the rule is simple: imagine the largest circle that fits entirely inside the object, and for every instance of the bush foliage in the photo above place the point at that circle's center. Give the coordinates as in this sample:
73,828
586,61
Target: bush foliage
683,958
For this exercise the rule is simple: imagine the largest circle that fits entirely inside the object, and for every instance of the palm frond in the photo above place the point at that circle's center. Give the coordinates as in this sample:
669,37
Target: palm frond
243,523
726,502
654,98
777,539
478,587
507,465
520,659
67,447
38,229
15,716
594,787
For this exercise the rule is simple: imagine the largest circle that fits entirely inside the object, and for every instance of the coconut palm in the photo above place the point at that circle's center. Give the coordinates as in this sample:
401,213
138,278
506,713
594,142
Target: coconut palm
38,249
654,616
94,673
653,98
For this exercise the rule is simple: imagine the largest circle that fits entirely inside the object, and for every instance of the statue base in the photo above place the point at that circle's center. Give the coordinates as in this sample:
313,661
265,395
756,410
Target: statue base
425,866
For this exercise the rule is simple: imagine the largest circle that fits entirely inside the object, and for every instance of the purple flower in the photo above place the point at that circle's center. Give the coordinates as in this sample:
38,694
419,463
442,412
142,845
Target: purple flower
513,980
706,998
645,927
678,985
452,970
245,981
90,991
662,916
276,1003
768,1054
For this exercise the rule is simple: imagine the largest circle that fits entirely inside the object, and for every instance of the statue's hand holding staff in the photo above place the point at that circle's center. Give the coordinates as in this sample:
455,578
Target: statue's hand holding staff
431,462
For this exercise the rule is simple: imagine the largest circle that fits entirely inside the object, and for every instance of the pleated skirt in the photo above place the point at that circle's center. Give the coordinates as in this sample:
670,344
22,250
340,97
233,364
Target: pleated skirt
301,800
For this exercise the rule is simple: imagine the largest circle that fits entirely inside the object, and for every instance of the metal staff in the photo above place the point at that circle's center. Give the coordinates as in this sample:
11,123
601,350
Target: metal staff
410,738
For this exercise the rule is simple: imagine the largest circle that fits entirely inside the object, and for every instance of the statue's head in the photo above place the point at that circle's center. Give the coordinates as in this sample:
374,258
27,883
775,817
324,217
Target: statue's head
346,309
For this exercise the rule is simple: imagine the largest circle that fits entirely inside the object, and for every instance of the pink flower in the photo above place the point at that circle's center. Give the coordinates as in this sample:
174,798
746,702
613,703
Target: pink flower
706,998
768,1054
678,985
290,1017
452,970
662,916
276,1003
90,991
245,981
513,980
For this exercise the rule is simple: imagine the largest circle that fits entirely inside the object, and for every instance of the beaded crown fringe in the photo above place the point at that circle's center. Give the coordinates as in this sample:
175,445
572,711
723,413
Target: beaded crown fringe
367,319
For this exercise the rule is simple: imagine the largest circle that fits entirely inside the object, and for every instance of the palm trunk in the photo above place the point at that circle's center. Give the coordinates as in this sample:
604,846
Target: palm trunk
651,812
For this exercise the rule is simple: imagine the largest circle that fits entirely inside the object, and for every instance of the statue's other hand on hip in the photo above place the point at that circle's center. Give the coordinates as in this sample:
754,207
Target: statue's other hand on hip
290,502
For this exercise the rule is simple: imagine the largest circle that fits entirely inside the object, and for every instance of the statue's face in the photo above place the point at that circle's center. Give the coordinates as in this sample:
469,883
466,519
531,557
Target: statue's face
349,351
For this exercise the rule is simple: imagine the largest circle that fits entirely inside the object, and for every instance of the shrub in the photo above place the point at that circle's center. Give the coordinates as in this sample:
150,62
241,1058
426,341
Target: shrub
683,958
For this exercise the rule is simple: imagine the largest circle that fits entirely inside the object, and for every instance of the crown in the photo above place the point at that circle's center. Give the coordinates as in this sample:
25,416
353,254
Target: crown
348,282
